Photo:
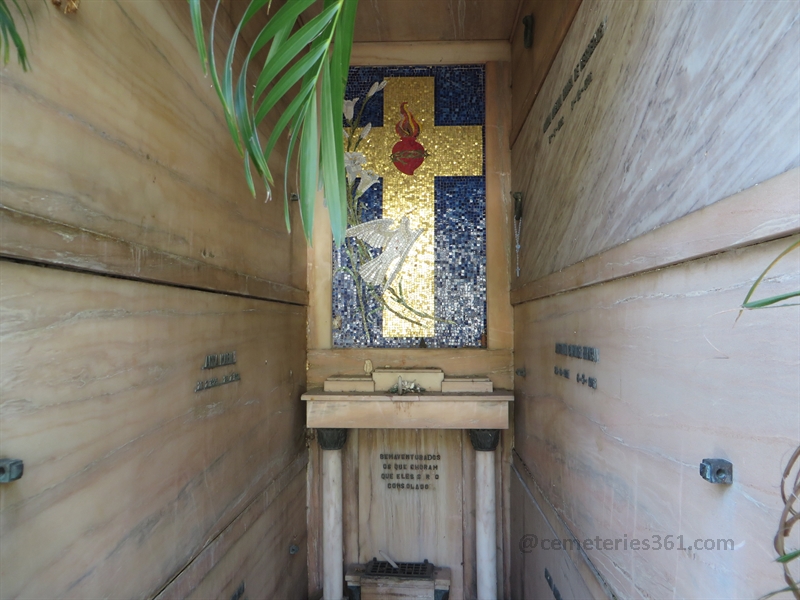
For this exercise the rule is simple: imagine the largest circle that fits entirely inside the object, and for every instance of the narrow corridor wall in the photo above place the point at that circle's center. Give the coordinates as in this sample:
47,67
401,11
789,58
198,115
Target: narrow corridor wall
670,184
132,250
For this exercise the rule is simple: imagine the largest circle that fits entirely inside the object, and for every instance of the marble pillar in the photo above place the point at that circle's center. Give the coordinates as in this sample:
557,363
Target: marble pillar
485,442
332,441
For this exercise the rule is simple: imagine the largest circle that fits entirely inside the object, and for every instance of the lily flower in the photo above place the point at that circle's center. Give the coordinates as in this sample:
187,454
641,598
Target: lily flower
353,165
368,179
376,87
349,107
366,130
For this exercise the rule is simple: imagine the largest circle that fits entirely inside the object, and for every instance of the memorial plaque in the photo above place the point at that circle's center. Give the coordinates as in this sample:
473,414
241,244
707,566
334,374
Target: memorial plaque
577,351
410,496
212,361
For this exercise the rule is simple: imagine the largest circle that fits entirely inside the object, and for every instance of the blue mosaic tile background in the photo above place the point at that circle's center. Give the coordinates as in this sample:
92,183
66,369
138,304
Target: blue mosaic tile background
460,213
459,92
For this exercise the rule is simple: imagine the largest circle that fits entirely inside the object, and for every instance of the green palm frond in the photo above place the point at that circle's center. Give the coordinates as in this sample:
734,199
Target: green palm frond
302,58
9,34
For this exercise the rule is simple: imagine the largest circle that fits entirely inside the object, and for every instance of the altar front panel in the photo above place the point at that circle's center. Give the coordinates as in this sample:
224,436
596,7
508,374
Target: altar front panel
410,497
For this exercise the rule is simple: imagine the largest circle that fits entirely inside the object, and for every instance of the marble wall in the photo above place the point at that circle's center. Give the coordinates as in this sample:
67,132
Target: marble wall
130,248
130,472
669,115
118,138
685,103
679,379
551,22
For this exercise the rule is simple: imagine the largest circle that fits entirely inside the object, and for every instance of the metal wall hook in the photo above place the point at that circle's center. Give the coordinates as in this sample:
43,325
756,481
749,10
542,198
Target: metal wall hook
528,22
11,469
517,224
717,470
517,205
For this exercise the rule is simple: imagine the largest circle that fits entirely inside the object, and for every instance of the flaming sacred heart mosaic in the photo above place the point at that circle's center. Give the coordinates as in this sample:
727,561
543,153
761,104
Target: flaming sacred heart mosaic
426,144
408,153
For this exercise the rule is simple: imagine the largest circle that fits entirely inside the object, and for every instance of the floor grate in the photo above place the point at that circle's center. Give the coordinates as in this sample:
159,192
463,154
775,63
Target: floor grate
381,568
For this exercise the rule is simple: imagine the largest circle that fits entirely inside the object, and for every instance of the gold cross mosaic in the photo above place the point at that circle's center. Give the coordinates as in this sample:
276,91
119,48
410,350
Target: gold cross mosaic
451,151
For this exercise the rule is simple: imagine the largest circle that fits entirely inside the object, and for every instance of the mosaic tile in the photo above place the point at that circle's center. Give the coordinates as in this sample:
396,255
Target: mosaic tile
444,273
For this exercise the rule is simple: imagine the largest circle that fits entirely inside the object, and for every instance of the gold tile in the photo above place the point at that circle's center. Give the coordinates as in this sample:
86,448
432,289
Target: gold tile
452,150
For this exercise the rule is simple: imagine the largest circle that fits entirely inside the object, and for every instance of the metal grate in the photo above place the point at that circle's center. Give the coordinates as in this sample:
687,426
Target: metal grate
380,568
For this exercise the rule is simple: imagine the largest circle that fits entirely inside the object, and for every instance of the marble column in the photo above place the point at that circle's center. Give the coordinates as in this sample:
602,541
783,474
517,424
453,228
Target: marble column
332,441
485,442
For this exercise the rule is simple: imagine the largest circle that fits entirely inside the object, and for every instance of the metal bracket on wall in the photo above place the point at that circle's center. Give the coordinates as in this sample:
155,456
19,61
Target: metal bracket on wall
517,205
527,38
717,470
239,593
517,224
10,469
553,587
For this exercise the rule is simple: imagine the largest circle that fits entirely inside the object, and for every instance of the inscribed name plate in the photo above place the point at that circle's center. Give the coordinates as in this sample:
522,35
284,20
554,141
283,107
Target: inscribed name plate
425,145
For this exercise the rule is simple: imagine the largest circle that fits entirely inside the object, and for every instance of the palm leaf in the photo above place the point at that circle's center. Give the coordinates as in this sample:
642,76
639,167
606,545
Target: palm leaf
292,48
289,114
332,156
9,35
302,58
292,76
344,37
294,134
309,158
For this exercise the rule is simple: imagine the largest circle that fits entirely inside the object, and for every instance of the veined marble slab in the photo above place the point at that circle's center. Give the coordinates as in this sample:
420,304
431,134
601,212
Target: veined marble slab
679,379
129,472
253,552
412,524
688,103
123,136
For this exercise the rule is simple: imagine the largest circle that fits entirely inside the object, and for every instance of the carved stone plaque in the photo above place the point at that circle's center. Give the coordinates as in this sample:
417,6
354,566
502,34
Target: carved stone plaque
410,495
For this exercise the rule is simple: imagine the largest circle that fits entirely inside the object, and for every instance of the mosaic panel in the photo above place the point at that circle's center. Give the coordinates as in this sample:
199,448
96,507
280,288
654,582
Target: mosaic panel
442,198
